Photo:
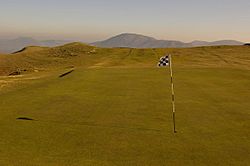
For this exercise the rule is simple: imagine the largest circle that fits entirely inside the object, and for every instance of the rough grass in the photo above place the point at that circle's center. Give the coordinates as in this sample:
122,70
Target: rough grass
80,55
123,117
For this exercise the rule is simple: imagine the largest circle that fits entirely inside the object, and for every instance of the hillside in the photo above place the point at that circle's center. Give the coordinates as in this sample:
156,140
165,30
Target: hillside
32,59
140,41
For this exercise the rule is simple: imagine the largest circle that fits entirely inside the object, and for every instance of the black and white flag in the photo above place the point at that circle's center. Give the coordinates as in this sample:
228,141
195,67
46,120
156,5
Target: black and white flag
164,61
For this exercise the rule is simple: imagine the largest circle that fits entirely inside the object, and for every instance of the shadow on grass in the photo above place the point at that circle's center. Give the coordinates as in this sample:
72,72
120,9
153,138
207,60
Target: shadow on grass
67,73
25,118
102,126
90,125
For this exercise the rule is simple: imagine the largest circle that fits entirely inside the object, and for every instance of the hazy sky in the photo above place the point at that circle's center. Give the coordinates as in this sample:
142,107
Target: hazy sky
91,20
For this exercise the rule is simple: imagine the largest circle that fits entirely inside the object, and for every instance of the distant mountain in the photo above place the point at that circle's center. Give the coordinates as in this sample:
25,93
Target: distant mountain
198,43
122,40
137,41
140,41
13,45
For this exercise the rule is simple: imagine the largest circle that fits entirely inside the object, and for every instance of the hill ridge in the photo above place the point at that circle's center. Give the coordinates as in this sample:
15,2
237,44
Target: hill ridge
14,45
133,40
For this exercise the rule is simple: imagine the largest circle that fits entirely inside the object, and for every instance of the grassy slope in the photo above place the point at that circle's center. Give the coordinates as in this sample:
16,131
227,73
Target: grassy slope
102,114
80,55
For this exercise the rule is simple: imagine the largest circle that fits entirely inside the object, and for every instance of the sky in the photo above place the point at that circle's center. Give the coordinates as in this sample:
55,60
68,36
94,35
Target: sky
93,20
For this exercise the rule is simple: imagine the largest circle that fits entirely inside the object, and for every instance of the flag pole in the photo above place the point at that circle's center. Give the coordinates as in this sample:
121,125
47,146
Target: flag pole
172,88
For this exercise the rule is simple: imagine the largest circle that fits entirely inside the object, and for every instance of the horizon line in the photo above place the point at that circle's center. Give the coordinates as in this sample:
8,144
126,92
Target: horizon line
106,38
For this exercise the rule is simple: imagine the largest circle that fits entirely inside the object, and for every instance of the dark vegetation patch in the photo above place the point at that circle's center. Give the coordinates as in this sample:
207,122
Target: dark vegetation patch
247,44
67,73
15,73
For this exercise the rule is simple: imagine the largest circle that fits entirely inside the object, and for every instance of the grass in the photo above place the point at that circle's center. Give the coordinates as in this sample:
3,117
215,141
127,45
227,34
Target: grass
123,117
79,55
115,108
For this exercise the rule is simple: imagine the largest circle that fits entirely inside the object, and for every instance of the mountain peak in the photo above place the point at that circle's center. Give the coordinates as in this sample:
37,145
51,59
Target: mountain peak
126,40
24,38
132,34
14,45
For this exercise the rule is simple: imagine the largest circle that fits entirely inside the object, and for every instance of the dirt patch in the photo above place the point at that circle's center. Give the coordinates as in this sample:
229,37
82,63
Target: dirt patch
8,81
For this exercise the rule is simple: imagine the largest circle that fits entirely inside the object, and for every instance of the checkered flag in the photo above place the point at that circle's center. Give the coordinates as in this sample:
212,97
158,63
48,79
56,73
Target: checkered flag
164,61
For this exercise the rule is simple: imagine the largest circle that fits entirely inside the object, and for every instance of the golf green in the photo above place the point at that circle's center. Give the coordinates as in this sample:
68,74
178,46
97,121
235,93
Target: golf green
123,116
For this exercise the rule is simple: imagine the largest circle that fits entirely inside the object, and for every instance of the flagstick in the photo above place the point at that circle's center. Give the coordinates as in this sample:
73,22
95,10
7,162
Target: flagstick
172,88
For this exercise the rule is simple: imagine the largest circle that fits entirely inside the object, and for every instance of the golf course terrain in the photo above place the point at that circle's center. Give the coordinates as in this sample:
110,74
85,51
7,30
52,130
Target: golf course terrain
112,107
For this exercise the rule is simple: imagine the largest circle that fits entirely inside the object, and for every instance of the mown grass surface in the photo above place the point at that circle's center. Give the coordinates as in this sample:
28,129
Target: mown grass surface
122,116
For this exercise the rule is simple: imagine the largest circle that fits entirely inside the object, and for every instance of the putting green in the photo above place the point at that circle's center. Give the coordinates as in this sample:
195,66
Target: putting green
118,116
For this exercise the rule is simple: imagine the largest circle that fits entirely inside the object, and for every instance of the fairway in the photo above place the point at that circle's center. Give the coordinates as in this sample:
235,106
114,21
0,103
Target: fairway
122,116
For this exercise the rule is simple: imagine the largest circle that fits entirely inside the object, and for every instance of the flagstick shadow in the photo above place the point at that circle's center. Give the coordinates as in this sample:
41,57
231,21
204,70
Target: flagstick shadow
92,125
102,126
